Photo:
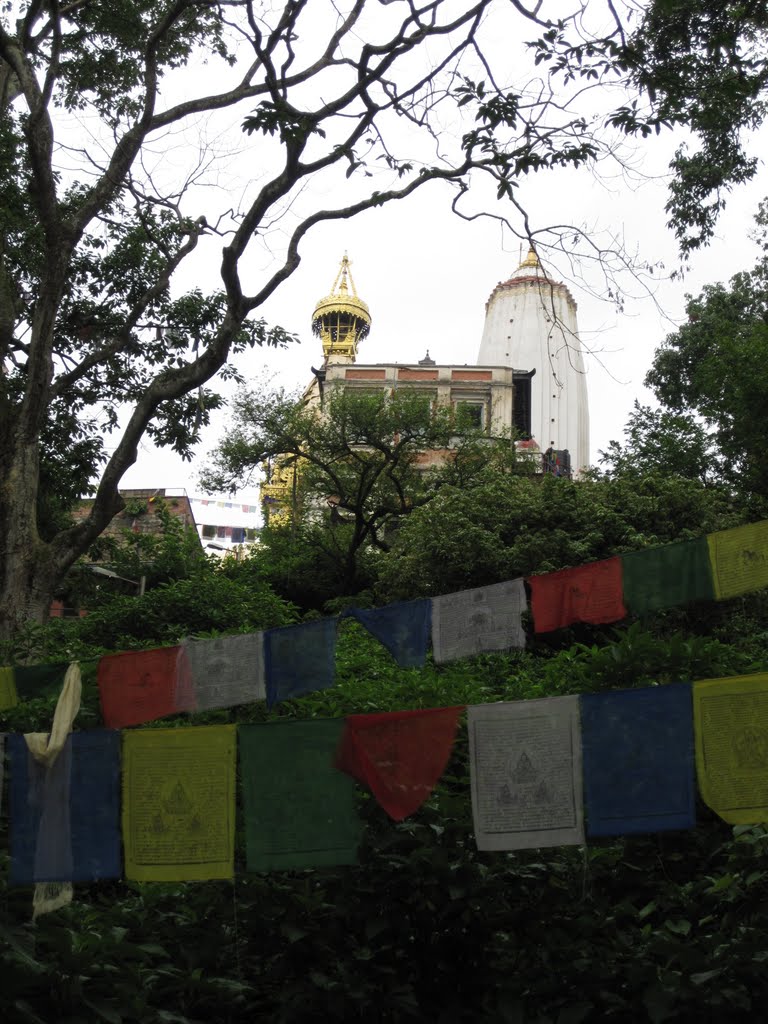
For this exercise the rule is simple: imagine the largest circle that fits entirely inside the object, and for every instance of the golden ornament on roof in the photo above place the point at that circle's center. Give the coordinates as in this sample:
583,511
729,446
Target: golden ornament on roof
531,260
341,320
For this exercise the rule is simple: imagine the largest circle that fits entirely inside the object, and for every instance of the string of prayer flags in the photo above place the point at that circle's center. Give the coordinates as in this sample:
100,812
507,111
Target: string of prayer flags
663,577
299,659
65,816
730,719
399,755
403,628
9,696
483,619
34,681
140,686
525,774
739,559
179,803
589,593
222,672
638,760
299,810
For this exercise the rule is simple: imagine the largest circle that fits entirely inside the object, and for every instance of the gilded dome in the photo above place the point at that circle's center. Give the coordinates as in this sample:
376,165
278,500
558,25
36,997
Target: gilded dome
341,320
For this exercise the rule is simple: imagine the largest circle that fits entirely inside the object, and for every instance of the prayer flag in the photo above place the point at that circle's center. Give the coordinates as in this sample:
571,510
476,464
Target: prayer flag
179,803
730,718
140,686
588,593
34,681
525,774
739,559
9,698
65,816
473,621
403,628
299,659
399,755
299,810
223,672
638,760
662,577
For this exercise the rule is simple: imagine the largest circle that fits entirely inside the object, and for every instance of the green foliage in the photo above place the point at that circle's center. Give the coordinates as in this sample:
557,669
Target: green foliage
702,64
205,603
508,526
714,367
663,443
360,473
208,600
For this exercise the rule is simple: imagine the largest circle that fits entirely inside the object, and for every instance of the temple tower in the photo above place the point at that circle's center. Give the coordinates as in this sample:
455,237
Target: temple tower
341,320
530,323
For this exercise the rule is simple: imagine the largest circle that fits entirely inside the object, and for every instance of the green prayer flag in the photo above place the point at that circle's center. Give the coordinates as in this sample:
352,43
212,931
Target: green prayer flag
34,681
663,577
299,809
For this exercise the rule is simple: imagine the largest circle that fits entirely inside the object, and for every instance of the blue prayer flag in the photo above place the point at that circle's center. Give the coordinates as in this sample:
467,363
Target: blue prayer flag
299,659
65,819
638,760
403,628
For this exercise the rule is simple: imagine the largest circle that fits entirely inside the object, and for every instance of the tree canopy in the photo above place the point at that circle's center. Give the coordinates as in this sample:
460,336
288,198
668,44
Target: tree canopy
713,368
356,466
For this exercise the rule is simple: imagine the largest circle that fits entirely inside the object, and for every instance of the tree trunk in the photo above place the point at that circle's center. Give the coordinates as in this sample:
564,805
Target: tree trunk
28,575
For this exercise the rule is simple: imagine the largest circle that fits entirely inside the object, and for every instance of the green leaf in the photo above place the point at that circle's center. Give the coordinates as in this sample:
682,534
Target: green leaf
704,976
104,1011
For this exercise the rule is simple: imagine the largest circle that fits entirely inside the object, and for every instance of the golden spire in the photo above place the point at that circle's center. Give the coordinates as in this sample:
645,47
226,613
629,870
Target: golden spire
341,320
531,260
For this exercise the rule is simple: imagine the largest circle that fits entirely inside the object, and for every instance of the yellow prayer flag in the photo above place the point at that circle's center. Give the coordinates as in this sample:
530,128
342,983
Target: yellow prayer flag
9,698
730,718
179,803
739,559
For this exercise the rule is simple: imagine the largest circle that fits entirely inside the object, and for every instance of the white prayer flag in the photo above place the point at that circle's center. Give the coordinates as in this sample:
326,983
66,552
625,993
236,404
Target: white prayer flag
225,671
525,770
473,621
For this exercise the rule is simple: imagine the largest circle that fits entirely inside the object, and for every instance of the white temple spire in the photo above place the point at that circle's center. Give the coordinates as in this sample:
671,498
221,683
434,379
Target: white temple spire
530,324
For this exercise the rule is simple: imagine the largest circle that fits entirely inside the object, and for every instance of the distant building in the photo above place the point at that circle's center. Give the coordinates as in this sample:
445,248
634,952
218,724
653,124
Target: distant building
140,516
528,381
141,508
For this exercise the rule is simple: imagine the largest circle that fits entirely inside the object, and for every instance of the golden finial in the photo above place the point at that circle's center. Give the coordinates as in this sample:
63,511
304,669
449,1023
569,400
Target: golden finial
341,320
531,260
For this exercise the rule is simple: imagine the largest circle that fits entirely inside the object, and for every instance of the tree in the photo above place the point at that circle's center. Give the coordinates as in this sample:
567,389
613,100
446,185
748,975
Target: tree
701,64
714,366
663,443
358,466
97,226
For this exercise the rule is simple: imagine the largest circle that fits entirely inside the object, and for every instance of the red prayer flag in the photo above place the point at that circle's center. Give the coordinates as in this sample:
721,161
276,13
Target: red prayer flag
139,686
399,755
589,593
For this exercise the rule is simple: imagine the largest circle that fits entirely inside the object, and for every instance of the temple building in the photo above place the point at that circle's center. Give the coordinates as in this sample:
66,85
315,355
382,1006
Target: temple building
530,322
528,381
